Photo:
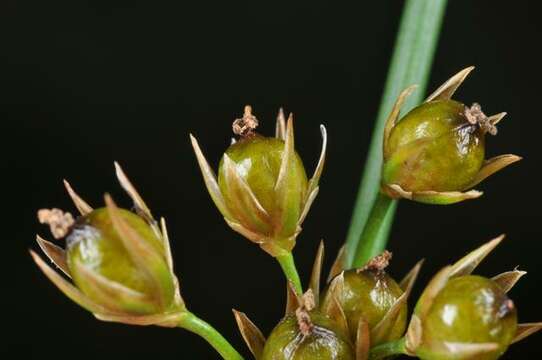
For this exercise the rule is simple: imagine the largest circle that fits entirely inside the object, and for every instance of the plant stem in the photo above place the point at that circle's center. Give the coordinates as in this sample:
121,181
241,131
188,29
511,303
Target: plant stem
372,242
411,62
385,350
288,267
196,325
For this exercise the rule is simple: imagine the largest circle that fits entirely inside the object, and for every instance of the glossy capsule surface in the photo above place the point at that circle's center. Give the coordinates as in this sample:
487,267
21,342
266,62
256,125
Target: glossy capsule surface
470,309
369,295
94,243
257,160
434,148
324,342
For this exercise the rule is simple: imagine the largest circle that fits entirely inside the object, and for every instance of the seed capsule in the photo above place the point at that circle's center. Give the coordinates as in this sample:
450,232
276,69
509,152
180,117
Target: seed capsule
257,160
469,309
308,335
94,244
435,148
262,188
436,152
119,261
368,294
460,316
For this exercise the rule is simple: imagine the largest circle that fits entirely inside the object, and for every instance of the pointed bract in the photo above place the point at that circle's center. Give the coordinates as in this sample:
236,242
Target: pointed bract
525,330
141,208
314,283
280,127
313,182
446,197
414,335
381,331
79,203
336,286
68,289
363,340
251,334
338,264
209,178
307,206
467,264
446,90
508,280
143,255
431,197
112,295
495,119
408,281
493,165
334,311
287,205
250,235
56,254
244,205
394,115
436,284
167,245
465,350
166,320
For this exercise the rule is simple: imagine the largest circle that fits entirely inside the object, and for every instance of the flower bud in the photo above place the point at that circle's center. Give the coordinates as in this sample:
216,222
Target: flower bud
472,310
370,295
436,151
308,335
119,261
262,188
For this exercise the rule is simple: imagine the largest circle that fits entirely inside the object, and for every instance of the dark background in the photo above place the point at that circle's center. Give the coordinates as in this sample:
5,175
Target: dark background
83,83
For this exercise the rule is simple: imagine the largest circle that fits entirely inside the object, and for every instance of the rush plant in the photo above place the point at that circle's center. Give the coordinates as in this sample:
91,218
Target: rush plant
117,263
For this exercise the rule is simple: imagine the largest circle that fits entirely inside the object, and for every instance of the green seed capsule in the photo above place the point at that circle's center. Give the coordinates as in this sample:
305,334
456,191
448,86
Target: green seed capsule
257,160
93,244
262,188
319,339
369,294
469,309
435,148
435,153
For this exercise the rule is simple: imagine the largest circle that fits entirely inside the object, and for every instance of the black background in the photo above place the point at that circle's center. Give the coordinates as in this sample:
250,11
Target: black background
84,83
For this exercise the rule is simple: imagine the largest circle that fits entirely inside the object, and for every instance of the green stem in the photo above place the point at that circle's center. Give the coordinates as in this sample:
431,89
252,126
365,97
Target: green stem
410,64
194,324
372,241
288,267
385,350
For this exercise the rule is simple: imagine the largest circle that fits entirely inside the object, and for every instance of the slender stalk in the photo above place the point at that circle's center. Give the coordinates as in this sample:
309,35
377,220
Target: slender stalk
290,271
196,325
410,64
372,241
385,350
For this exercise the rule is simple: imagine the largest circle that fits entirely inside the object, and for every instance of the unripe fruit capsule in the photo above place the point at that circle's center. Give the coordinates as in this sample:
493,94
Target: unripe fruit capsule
257,160
435,148
368,294
469,309
319,340
94,244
